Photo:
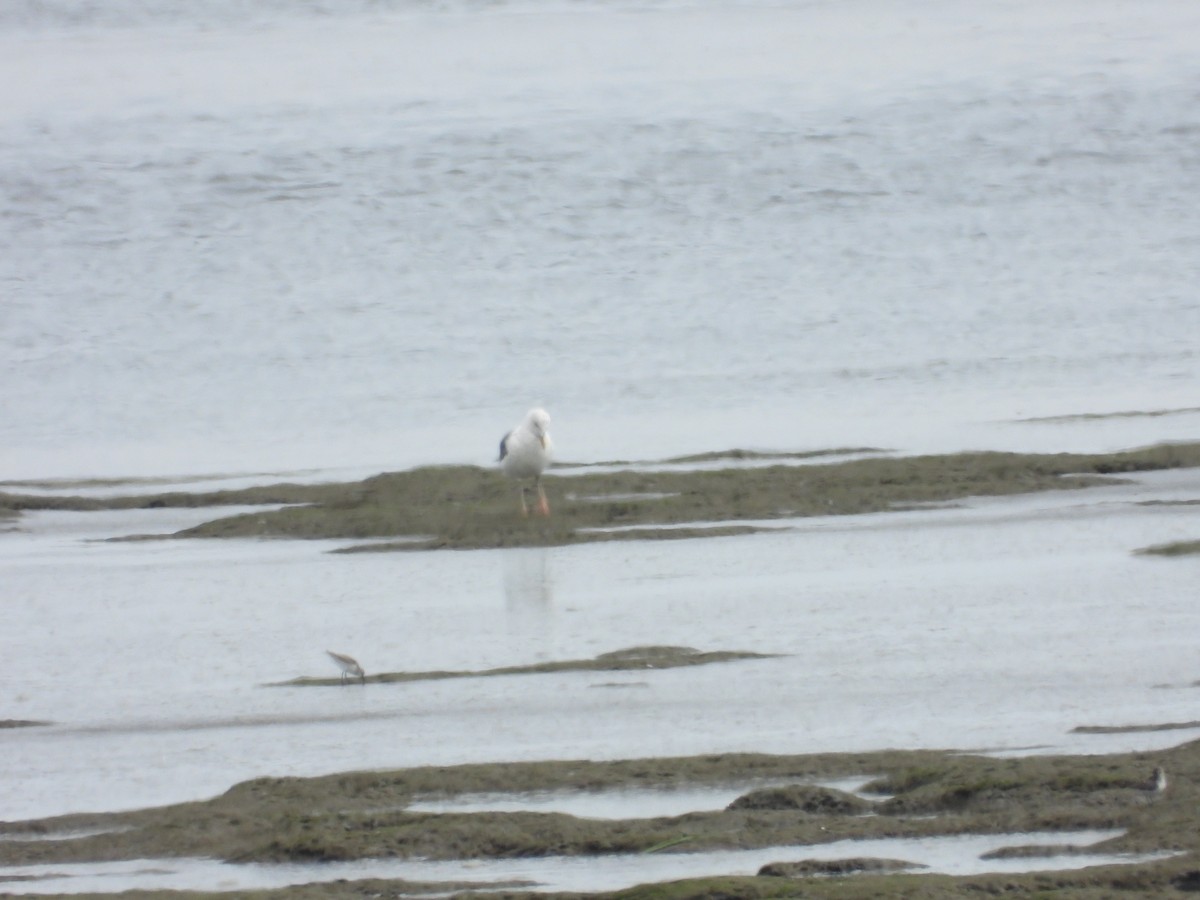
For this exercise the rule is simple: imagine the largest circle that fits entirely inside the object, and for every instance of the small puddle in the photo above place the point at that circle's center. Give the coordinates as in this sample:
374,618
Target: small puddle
617,498
32,836
634,803
957,855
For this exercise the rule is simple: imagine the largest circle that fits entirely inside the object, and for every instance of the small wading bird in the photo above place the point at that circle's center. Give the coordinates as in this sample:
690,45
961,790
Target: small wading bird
524,453
1158,781
350,667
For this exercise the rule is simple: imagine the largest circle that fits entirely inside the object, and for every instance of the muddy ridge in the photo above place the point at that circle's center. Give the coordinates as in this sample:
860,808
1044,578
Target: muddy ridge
466,507
357,815
629,659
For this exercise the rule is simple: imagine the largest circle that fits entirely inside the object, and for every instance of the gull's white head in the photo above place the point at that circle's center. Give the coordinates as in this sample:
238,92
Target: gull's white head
538,421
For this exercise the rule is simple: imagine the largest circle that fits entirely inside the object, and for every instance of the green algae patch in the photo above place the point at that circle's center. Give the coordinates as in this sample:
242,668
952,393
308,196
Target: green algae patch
758,455
360,815
631,659
1125,414
647,533
855,865
735,454
1176,548
1134,729
466,507
809,798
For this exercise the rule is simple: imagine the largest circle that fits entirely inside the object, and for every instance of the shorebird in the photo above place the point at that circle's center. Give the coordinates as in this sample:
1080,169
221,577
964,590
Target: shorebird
524,453
1158,782
349,666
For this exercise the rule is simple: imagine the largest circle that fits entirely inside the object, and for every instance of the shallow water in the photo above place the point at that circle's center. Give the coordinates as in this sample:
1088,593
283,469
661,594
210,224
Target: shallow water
929,628
324,240
617,804
959,855
374,235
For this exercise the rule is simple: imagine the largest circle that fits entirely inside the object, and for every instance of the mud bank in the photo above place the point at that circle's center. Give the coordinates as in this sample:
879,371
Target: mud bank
1176,548
468,507
362,815
629,659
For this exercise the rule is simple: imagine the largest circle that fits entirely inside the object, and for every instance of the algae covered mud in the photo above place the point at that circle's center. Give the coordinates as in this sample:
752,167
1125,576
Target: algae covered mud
1035,810
631,659
723,493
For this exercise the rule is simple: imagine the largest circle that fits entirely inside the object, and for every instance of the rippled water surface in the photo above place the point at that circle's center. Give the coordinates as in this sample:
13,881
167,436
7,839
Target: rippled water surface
325,240
298,238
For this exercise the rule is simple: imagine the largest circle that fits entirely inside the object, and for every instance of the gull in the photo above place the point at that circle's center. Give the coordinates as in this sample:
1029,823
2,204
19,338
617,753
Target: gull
349,666
524,452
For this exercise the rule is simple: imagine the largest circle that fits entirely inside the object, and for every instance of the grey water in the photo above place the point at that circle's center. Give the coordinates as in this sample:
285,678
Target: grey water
374,235
958,855
324,240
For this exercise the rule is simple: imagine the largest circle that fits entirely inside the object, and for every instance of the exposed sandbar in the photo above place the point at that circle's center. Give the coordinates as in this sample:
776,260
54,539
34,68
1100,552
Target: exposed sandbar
469,507
631,659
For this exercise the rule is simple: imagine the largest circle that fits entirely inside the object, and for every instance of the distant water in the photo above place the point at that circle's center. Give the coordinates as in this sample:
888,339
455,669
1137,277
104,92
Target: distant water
373,234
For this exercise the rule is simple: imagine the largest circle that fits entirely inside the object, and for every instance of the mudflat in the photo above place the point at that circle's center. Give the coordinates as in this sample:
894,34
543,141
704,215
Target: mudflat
730,492
360,815
911,793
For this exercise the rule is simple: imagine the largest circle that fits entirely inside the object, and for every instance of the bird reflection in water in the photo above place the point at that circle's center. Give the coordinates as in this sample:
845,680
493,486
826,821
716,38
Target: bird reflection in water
529,592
